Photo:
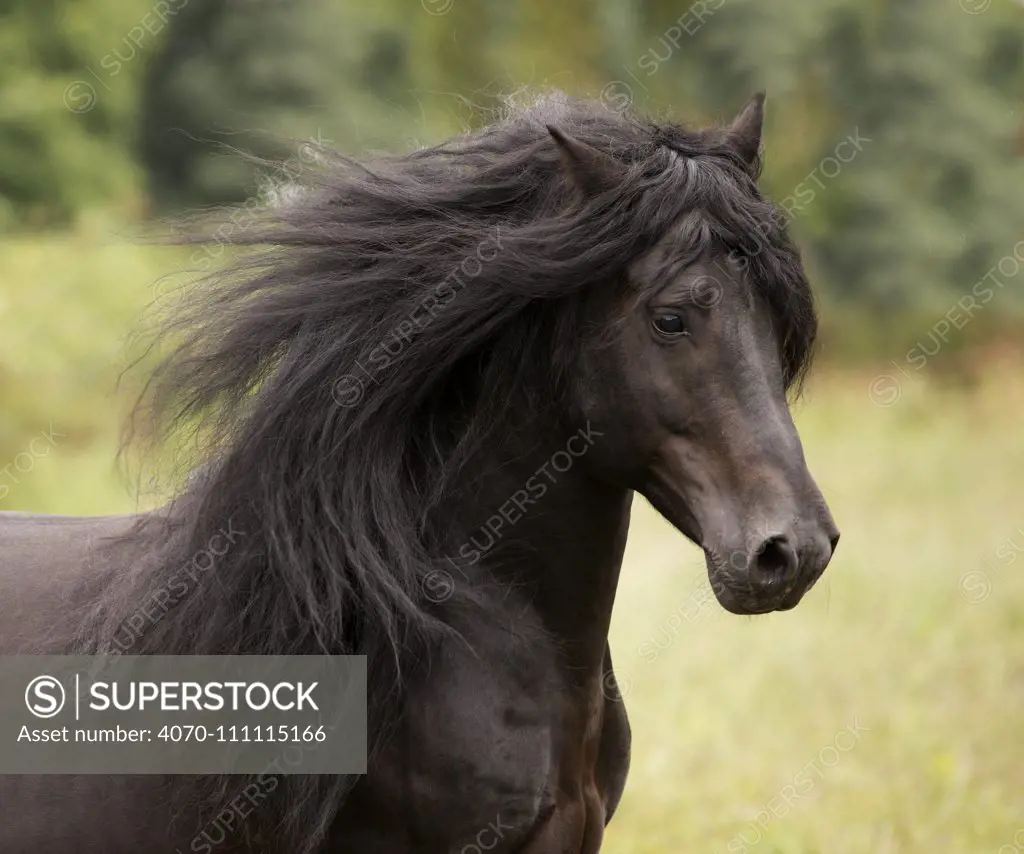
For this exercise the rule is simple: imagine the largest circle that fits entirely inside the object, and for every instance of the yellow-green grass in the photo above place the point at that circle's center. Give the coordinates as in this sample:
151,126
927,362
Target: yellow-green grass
884,714
72,309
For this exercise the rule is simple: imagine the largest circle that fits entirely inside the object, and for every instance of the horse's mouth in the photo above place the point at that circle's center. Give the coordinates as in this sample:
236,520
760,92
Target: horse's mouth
738,597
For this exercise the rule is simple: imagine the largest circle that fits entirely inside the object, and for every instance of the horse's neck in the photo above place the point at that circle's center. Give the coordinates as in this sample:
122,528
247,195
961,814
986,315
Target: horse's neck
546,527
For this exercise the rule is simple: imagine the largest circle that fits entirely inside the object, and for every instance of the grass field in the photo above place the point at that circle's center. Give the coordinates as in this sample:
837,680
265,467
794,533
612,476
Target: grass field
884,714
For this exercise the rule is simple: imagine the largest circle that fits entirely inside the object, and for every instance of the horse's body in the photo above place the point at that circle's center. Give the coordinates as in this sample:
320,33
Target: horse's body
630,321
518,737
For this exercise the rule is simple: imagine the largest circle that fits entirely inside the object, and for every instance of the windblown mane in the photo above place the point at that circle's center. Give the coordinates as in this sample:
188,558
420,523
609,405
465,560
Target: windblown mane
335,384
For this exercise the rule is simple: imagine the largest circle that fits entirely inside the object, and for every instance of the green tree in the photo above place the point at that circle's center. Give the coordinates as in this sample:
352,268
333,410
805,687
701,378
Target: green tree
65,117
235,81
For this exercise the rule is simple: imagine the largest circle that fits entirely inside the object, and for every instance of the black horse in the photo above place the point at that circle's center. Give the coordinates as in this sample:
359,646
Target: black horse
421,412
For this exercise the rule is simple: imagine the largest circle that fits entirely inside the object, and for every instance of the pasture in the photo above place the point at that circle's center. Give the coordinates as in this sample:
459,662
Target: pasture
883,715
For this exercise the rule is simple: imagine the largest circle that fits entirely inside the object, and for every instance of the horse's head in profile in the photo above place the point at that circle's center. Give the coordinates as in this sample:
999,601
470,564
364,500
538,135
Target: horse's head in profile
715,325
424,329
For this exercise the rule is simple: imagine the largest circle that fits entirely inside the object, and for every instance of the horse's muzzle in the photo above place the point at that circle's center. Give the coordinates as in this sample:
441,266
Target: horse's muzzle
776,573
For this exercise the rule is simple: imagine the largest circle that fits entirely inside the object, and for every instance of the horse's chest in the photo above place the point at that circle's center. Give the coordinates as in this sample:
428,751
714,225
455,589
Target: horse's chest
507,761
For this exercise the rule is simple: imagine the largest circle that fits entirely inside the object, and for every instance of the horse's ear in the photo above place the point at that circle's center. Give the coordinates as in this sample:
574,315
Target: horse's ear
745,130
589,170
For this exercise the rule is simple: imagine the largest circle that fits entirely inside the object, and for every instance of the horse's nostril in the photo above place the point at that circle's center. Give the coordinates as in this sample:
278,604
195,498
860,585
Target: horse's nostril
776,558
834,541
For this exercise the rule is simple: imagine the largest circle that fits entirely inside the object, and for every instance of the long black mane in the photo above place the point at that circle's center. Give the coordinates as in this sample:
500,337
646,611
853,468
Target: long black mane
334,385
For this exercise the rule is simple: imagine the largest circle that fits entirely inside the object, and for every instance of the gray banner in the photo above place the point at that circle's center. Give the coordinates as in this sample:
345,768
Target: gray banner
166,714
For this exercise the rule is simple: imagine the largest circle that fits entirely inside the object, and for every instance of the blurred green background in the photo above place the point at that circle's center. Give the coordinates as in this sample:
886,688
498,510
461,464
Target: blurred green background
886,713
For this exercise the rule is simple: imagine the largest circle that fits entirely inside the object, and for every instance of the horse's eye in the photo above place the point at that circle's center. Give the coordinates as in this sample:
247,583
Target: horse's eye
670,325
